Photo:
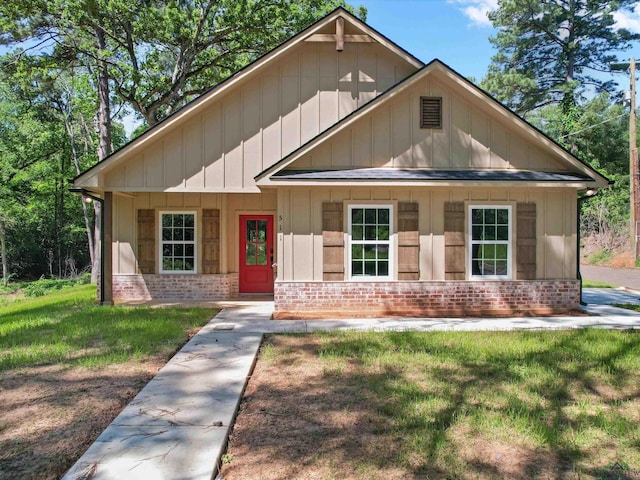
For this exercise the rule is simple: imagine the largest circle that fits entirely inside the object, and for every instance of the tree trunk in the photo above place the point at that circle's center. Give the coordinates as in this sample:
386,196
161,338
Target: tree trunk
104,107
104,141
68,119
3,254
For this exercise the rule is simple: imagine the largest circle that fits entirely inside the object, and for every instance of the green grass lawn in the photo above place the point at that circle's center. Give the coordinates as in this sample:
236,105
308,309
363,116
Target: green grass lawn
595,284
476,405
67,327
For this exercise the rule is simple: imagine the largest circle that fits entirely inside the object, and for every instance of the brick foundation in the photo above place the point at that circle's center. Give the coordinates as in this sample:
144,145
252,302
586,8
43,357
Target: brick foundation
175,287
441,299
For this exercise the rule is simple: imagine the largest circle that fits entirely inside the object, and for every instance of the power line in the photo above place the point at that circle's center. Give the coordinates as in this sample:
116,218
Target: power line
596,125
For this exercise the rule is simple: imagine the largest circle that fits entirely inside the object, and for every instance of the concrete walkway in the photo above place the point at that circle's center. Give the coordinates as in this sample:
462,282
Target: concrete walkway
177,426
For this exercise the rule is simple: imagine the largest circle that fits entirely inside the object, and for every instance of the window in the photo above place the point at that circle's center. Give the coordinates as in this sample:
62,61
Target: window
370,233
177,242
490,231
430,112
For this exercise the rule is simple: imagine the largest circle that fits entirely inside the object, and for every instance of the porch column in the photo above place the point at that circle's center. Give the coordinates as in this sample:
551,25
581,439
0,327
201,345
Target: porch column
107,259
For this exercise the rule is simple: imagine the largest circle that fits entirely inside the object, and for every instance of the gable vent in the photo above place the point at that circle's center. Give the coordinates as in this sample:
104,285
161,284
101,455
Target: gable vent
430,112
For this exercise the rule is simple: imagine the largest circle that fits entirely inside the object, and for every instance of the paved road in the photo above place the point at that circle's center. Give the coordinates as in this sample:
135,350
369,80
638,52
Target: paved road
620,277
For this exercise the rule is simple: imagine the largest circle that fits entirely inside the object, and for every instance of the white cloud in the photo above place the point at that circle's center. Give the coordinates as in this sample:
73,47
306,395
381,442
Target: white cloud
628,20
476,10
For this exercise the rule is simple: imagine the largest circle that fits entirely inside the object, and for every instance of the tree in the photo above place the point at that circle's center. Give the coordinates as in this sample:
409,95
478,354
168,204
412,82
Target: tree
549,51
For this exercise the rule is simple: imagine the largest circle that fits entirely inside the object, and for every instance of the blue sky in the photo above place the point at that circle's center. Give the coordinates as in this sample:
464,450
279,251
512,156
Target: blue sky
455,31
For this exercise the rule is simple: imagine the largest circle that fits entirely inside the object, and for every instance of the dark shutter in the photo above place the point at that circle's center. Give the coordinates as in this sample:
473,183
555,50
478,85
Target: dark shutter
408,241
147,241
210,241
430,112
332,241
454,249
526,241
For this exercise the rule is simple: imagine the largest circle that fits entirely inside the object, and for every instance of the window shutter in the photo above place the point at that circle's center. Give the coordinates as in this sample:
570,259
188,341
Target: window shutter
408,241
147,241
211,241
332,241
526,241
430,112
454,249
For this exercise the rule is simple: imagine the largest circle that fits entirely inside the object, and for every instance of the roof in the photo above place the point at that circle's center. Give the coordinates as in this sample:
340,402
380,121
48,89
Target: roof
403,174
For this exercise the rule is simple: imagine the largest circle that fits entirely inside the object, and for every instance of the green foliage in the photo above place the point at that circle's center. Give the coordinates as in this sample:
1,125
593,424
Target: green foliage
548,51
44,286
66,326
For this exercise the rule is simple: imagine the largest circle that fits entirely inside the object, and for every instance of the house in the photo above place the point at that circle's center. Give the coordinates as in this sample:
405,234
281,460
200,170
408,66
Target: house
344,176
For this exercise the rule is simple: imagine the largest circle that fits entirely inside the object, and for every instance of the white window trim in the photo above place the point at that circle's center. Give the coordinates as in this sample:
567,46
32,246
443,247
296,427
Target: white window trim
195,241
509,243
368,278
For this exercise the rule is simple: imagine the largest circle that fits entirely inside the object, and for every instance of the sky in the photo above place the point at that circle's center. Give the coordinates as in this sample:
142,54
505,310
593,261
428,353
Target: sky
454,31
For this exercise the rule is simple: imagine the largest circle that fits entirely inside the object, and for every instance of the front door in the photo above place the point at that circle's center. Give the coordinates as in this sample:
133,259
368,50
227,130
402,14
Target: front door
256,254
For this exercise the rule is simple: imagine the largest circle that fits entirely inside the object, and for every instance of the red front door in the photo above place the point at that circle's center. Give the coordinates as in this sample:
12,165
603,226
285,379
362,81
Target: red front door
256,254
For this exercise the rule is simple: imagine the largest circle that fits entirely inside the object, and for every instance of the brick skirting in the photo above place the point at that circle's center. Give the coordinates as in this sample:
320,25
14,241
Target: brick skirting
175,287
442,299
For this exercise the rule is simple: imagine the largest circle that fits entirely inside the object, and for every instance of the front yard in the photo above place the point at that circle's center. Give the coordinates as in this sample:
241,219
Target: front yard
442,405
68,367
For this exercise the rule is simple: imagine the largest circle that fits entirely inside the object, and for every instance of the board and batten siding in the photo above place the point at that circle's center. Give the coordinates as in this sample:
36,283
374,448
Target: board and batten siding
223,147
300,226
229,207
471,137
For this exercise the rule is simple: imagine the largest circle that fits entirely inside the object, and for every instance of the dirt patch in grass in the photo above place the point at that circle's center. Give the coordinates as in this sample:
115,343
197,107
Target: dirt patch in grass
51,414
414,406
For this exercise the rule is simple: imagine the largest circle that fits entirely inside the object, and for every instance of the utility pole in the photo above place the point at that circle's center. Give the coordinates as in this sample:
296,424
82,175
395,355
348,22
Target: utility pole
633,163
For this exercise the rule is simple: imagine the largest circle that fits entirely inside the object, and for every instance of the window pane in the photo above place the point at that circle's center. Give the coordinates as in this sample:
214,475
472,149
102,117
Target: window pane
476,216
167,264
501,267
178,250
357,232
178,234
370,252
188,250
262,254
262,230
503,216
383,233
383,268
370,232
501,252
250,254
370,216
178,221
251,231
490,216
188,234
188,265
167,251
489,233
357,216
166,234
178,264
357,252
383,252
383,216
503,233
476,232
188,221
370,268
356,268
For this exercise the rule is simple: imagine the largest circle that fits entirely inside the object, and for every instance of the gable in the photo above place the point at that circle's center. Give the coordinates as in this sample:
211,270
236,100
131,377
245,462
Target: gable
477,134
245,125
